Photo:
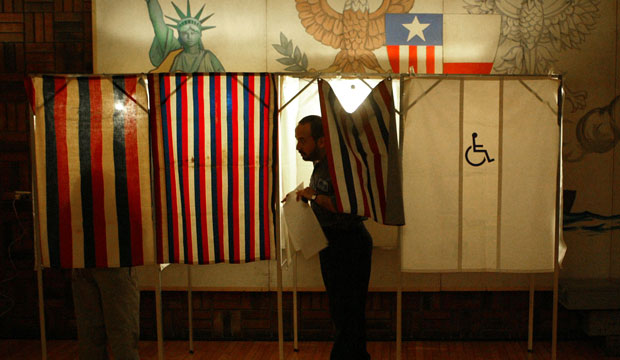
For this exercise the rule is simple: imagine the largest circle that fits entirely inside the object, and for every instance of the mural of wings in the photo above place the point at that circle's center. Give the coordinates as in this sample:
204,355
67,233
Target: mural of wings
533,29
355,31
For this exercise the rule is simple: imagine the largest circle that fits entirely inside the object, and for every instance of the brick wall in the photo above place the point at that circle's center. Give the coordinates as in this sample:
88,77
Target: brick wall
428,315
253,316
54,36
36,36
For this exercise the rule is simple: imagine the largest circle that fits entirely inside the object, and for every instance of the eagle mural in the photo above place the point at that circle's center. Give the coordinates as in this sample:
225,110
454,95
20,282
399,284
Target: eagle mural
355,31
533,29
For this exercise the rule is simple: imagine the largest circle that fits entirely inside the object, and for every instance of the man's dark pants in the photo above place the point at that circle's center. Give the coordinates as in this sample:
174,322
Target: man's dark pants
345,266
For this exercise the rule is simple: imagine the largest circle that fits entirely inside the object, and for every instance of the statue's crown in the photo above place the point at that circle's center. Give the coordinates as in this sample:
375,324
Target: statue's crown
188,18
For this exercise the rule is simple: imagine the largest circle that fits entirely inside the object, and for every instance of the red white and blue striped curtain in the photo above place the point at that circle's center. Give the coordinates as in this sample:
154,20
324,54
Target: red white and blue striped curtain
92,171
363,156
215,162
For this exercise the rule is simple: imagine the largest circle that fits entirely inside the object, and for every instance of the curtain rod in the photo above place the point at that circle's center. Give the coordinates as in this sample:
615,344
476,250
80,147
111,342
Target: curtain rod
319,74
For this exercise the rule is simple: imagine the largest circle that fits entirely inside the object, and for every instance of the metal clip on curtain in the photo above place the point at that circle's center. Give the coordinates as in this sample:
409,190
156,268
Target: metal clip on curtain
411,71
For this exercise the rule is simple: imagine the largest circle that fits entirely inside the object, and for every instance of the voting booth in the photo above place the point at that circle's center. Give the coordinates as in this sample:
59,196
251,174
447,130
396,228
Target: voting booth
481,171
481,157
455,173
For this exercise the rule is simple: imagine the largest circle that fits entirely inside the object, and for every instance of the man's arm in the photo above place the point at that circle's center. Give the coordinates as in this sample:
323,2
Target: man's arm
323,201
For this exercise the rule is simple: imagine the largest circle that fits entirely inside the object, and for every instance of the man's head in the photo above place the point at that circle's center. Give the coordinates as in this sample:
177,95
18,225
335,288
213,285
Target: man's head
310,140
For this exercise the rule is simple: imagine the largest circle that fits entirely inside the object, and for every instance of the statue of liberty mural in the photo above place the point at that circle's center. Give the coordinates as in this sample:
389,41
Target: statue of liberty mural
185,53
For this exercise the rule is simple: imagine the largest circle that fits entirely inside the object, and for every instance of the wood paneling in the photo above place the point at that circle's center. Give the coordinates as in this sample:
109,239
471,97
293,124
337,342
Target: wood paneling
415,350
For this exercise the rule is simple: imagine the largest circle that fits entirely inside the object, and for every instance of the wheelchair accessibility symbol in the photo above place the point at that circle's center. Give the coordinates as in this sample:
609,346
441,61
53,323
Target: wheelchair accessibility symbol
477,149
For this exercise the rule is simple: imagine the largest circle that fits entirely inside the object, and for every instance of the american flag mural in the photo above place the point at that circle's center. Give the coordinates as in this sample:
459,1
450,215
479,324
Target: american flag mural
92,171
441,43
215,162
363,157
415,40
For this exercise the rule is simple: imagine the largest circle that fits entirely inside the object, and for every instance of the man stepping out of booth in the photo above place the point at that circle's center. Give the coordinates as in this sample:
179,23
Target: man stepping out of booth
345,262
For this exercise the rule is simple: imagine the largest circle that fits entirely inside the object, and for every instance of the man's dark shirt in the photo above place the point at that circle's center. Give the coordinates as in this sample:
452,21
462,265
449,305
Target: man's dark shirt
321,182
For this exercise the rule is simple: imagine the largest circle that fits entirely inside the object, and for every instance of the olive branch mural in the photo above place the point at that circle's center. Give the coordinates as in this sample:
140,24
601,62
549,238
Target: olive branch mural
294,58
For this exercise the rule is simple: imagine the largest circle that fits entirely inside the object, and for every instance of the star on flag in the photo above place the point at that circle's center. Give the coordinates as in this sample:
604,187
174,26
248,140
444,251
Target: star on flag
416,29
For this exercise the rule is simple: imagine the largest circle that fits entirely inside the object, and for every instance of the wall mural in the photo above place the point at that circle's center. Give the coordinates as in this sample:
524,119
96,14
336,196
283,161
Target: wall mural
355,31
533,34
567,37
410,42
598,131
185,52
534,31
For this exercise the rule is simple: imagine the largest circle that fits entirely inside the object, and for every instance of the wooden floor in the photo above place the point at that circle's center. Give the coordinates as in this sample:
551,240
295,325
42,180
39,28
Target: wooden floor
229,350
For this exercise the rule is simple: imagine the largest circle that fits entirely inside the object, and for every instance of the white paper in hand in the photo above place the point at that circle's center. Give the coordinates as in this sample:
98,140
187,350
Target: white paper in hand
303,227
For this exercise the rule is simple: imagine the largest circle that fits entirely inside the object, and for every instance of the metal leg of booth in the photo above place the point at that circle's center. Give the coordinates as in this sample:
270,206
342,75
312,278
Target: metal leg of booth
554,329
158,316
399,317
280,319
530,322
295,320
190,309
41,313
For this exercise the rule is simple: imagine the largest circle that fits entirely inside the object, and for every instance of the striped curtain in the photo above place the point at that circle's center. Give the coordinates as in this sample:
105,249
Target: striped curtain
215,162
92,171
363,155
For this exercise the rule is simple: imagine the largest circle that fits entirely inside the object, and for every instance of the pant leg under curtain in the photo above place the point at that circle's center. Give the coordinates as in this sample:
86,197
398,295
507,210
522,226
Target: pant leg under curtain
120,299
92,343
345,266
